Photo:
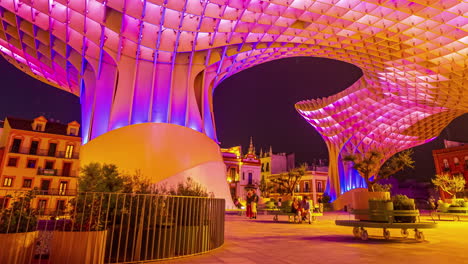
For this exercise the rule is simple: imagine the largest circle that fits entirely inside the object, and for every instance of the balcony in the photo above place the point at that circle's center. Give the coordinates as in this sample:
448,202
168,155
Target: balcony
45,152
57,192
55,172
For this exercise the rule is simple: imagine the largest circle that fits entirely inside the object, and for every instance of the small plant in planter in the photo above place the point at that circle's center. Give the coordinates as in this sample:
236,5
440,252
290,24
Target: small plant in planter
18,233
402,202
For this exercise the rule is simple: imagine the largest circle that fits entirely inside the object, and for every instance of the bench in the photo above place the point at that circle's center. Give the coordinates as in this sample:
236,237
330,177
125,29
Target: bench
388,221
293,218
387,215
456,213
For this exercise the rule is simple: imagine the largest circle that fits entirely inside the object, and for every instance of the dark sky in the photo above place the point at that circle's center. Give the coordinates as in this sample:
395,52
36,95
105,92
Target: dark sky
257,102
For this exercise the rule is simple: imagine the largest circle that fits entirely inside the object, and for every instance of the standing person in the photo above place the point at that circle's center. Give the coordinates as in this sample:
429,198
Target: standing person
320,202
432,204
254,205
248,212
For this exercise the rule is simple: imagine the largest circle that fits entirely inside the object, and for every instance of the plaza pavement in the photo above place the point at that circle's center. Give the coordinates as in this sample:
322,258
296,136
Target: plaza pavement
264,241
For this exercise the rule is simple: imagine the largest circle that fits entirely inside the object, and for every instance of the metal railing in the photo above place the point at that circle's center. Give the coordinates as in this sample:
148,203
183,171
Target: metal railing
115,227
52,191
44,152
56,172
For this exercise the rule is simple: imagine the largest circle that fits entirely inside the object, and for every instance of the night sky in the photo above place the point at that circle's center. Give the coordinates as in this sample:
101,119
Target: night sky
257,102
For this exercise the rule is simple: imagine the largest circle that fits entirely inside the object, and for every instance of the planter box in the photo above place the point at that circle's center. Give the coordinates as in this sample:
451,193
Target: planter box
78,247
192,239
360,201
124,245
406,219
17,248
380,207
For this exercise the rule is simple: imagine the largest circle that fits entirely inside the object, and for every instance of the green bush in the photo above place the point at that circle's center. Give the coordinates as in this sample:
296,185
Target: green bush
458,203
20,217
402,202
270,205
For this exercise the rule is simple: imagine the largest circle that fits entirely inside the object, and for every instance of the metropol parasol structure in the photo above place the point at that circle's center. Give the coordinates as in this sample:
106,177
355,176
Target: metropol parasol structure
145,71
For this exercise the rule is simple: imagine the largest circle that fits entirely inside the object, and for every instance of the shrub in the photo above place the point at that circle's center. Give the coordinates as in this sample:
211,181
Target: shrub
20,217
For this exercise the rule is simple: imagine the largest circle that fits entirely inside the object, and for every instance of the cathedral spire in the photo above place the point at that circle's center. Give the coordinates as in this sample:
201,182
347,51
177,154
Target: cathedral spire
251,147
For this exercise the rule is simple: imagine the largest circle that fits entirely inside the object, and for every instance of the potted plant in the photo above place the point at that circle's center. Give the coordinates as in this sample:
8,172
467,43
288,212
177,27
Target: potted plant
83,237
402,202
372,166
192,231
380,206
18,233
449,184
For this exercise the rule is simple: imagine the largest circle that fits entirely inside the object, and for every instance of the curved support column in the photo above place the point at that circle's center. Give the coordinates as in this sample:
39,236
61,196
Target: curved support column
164,153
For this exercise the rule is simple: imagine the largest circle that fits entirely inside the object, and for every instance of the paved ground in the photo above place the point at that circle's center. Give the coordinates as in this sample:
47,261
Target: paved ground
264,241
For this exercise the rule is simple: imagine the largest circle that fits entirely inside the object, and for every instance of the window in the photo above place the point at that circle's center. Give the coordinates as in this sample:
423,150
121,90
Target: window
297,188
250,178
52,149
31,164
33,148
49,165
12,162
69,152
232,173
319,187
63,187
7,181
306,187
263,170
466,162
243,175
38,127
15,147
41,205
446,165
267,167
27,183
456,161
60,205
73,132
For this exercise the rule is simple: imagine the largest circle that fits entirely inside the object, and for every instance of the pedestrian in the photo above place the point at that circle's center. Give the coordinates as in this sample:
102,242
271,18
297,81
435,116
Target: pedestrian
432,204
248,212
254,204
320,202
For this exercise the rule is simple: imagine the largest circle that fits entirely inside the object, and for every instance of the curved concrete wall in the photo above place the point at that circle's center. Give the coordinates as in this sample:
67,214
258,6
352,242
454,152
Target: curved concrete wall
163,153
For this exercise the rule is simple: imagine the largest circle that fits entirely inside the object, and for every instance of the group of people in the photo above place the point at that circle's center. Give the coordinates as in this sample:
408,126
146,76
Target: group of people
252,201
301,208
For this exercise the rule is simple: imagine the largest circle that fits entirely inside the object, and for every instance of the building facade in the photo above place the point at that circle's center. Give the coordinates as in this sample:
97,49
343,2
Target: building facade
452,160
42,156
312,184
242,171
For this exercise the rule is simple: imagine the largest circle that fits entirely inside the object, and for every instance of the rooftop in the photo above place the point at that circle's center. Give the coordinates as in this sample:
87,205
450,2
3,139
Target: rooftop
50,128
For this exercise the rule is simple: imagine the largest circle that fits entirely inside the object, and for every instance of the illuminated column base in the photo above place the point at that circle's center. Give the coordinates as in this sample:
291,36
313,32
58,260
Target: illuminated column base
164,153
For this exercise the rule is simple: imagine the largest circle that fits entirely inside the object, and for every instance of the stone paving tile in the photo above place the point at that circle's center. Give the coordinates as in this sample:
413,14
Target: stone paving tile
264,241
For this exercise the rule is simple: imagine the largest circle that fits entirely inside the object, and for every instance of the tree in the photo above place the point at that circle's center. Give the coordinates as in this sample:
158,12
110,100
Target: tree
100,178
265,187
370,165
449,184
287,182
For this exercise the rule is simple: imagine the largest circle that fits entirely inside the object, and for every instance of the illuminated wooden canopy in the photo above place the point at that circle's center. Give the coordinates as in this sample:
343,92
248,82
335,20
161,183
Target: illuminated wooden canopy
137,61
